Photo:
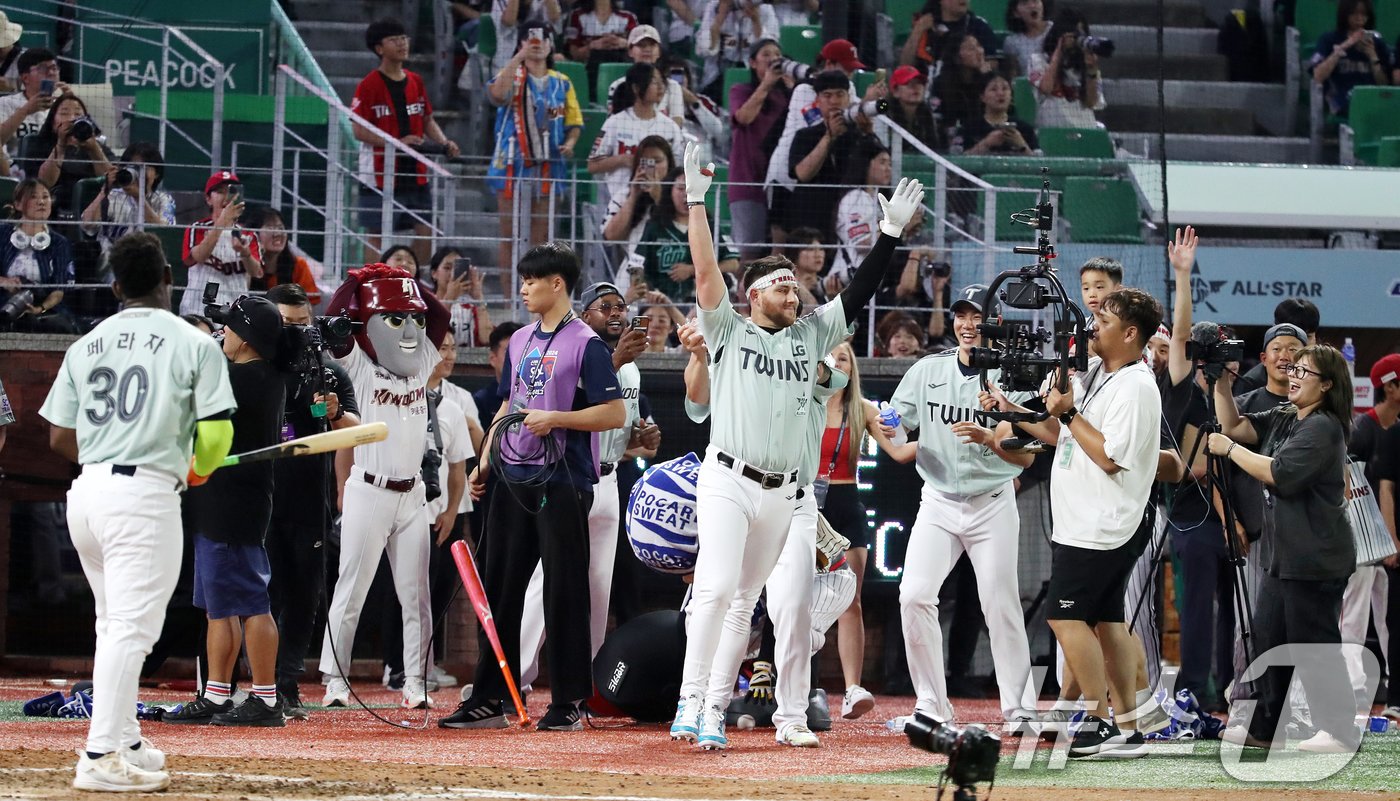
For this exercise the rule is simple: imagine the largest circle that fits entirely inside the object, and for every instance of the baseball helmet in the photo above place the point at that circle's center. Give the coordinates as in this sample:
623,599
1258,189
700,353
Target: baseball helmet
661,523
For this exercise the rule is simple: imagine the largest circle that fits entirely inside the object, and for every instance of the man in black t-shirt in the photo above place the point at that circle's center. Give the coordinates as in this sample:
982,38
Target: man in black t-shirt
230,514
820,155
303,504
1294,311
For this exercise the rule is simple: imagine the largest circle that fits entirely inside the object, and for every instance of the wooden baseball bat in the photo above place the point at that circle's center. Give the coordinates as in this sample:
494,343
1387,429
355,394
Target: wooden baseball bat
471,580
316,443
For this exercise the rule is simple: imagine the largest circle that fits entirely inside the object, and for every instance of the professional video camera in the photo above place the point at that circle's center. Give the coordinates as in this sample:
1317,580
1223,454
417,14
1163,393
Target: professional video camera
972,752
1016,347
1211,348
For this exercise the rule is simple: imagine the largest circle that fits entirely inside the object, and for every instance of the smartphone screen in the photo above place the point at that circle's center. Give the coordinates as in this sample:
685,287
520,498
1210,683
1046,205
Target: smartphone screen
678,76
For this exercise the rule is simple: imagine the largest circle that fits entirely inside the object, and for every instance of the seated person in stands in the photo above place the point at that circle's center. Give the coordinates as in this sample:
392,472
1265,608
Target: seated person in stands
644,47
1068,85
807,253
665,250
1028,21
898,335
596,33
61,155
116,209
995,130
35,258
727,30
1349,56
923,292
911,110
935,23
627,213
704,120
957,92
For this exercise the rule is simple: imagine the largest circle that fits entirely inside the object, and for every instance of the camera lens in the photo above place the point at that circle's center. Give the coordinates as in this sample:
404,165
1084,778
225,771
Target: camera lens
124,178
83,129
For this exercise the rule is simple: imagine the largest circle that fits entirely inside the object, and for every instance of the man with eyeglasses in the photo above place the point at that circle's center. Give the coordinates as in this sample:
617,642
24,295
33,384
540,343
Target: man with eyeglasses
605,311
22,113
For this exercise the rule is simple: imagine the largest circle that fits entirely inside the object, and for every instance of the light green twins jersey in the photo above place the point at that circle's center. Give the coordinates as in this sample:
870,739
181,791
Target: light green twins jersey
811,455
612,444
134,388
931,397
761,384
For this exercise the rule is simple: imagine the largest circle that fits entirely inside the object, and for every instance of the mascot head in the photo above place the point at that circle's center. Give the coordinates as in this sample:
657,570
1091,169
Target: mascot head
399,317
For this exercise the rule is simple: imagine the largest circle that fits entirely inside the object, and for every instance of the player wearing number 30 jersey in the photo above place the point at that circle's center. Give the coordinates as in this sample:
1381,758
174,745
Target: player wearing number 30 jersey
125,405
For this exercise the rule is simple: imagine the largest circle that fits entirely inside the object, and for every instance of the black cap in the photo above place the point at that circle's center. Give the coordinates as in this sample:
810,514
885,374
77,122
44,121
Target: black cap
830,79
974,296
258,322
1284,330
593,292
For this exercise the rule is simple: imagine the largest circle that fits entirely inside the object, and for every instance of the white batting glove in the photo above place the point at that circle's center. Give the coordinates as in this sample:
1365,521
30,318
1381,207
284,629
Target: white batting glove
697,178
898,210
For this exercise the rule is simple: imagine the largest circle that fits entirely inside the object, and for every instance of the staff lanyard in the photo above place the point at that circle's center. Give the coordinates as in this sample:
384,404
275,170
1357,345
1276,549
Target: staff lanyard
840,438
568,318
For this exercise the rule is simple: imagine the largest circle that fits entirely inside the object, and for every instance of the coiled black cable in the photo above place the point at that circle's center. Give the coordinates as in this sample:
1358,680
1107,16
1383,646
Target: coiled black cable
549,452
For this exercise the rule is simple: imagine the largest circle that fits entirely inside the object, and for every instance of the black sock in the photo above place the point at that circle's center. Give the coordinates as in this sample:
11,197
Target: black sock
94,755
134,747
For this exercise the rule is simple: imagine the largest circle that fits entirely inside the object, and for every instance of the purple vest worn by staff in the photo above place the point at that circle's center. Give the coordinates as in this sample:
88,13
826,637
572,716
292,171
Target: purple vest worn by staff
545,381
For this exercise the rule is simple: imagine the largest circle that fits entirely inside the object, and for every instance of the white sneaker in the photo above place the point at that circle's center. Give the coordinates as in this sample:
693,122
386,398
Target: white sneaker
337,693
798,736
415,694
686,726
145,756
112,774
441,677
856,702
712,736
1324,743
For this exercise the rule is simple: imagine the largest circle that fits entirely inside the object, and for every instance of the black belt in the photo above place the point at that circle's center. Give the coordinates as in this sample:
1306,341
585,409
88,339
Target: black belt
391,484
606,468
123,469
765,480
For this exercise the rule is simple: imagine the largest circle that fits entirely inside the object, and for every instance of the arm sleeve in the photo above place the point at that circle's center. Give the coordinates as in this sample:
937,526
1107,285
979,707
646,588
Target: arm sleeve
676,98
212,441
702,34
192,237
866,279
600,383
607,139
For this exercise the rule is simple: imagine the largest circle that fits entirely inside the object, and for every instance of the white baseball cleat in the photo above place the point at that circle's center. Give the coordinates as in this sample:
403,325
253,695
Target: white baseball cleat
798,736
856,702
337,693
145,756
112,774
415,694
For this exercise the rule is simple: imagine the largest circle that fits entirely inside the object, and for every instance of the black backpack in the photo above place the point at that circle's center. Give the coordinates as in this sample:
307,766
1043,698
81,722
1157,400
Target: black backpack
1242,41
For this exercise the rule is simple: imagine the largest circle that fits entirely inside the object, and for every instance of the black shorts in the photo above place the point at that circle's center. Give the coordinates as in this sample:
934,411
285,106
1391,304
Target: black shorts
1088,585
844,511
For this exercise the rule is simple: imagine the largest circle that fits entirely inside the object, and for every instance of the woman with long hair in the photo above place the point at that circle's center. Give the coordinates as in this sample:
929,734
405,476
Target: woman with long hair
627,215
1068,85
117,208
1311,553
65,151
281,264
635,117
995,130
1350,55
667,263
959,84
34,258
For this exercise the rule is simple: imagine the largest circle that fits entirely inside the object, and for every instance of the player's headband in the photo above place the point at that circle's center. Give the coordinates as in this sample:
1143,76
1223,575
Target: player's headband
781,276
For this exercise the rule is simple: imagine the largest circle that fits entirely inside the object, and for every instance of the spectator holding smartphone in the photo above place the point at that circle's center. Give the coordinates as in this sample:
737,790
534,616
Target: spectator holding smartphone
636,119
23,113
757,110
627,215
459,286
116,210
728,29
995,131
217,250
1350,55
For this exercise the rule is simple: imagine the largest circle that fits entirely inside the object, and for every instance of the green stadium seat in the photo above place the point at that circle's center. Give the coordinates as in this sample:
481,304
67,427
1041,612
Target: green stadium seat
801,42
1388,22
7,190
1007,204
1102,210
593,119
578,76
486,36
901,14
1024,180
607,73
1374,114
1023,100
85,191
722,198
1313,18
993,11
1388,153
863,79
732,76
1075,142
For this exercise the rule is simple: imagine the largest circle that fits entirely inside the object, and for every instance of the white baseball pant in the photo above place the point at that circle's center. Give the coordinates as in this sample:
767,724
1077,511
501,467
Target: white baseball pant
832,594
1140,600
1364,600
741,531
374,520
126,530
603,518
790,609
987,527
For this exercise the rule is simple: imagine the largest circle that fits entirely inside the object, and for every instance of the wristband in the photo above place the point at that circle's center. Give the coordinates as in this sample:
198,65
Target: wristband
339,413
1068,416
690,204
1229,449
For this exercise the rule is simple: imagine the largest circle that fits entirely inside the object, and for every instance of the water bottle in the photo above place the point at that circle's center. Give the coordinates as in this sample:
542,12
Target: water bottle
888,415
1349,353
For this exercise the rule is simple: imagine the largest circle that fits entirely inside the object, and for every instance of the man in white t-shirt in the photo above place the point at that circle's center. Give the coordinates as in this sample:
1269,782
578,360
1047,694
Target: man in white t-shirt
22,113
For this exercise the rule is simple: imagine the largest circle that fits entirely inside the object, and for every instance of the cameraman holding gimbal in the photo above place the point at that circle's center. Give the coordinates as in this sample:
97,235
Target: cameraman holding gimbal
302,501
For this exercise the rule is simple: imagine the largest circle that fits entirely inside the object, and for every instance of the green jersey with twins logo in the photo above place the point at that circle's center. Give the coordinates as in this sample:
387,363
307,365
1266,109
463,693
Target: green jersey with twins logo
761,382
936,393
134,388
612,444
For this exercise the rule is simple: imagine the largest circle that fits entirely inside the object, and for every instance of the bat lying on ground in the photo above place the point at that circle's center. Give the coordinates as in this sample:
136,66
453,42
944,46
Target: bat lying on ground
316,443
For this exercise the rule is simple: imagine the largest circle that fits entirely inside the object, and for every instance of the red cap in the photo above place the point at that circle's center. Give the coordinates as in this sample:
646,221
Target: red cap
841,51
391,295
218,178
906,74
1386,370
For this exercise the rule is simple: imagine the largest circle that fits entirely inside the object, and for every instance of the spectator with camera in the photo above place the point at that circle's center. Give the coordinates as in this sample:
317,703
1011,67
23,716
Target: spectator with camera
1029,22
230,513
925,283
597,33
627,214
121,207
304,501
23,113
1350,55
217,249
68,148
281,264
936,23
644,47
728,31
911,110
995,131
665,249
1067,81
757,110
1302,464
636,119
34,262
395,101
957,92
822,154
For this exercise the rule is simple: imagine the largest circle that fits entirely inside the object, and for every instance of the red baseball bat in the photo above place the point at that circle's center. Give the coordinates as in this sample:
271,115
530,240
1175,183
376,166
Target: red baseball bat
466,567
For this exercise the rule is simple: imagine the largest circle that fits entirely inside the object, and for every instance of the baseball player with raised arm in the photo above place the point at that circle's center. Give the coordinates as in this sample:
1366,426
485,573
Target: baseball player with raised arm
968,504
762,374
129,401
384,509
